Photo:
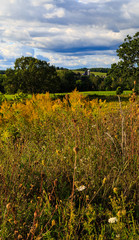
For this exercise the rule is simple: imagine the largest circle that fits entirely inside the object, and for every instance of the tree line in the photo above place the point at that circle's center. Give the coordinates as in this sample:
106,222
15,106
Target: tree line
31,75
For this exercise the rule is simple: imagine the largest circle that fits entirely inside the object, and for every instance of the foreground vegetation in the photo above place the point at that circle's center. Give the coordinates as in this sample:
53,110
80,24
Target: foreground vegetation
68,168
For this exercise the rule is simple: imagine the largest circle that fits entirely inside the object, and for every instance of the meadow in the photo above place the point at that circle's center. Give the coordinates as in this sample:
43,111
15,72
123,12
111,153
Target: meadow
100,74
69,168
95,94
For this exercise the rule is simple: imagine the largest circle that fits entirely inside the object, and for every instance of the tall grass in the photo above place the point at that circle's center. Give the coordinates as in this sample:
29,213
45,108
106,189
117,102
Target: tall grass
68,169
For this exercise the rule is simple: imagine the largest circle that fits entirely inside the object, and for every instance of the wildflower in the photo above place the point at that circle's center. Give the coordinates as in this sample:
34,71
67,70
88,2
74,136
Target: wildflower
112,220
57,152
104,180
123,212
53,222
81,188
43,163
118,236
119,214
87,197
10,219
115,190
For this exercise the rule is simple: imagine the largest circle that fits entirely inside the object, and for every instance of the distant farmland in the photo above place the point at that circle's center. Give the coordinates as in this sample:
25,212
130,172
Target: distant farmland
95,73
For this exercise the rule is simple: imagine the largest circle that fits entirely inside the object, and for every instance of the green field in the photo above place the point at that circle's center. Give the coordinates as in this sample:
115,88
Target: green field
109,96
95,73
97,93
106,93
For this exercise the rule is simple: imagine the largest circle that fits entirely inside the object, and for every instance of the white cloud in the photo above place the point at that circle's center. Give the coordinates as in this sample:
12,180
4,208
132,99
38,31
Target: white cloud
12,1
11,50
41,2
63,60
67,32
52,11
131,9
15,34
93,1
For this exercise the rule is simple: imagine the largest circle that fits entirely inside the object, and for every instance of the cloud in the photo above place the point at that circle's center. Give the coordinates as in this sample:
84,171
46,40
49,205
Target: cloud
52,11
68,32
15,34
42,58
11,51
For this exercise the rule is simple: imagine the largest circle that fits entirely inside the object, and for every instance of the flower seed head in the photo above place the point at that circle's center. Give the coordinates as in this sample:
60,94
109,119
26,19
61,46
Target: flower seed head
76,149
113,220
8,206
81,188
35,214
20,237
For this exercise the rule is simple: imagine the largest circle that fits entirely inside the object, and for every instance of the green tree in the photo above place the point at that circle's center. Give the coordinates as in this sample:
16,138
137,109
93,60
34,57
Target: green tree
67,80
129,53
126,71
2,77
10,82
31,75
115,78
96,82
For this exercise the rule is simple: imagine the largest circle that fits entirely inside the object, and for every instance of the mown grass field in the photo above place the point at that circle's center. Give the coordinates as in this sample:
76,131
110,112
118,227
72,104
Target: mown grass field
69,168
106,93
95,73
89,93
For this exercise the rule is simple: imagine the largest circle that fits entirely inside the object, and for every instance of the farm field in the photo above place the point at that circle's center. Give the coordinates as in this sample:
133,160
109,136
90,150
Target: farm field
98,93
69,167
106,93
95,73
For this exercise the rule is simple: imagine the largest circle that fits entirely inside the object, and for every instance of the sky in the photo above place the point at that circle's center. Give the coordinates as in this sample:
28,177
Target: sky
66,33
